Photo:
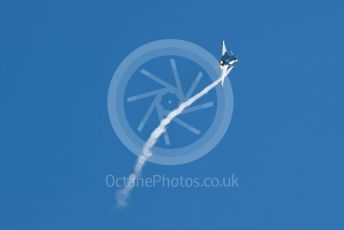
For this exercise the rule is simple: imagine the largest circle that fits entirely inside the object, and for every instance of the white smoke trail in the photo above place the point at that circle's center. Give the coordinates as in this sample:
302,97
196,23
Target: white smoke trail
123,195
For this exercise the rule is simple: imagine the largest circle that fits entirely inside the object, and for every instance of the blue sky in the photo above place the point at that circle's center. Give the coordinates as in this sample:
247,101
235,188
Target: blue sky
285,141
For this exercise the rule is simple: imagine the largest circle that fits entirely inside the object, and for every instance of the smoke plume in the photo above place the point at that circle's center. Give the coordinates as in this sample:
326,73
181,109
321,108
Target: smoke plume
123,195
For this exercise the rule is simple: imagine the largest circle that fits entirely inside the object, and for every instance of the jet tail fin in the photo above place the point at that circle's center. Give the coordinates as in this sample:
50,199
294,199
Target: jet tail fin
224,49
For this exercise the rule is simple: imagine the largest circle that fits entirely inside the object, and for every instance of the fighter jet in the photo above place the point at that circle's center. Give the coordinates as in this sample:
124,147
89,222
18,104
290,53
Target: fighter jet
227,62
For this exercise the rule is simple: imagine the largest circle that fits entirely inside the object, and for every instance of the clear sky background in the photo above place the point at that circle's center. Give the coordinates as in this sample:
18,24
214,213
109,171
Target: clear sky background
285,141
